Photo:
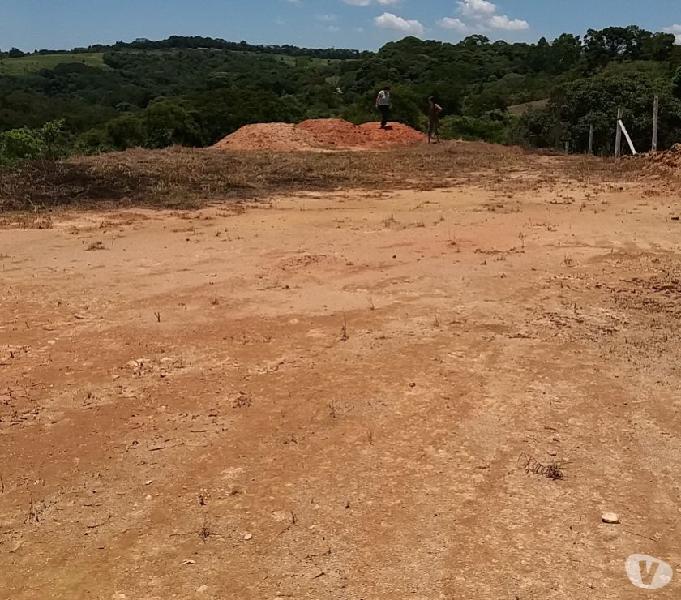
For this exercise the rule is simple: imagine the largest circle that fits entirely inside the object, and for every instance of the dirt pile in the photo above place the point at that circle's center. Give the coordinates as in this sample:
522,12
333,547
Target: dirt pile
267,136
662,164
334,133
319,135
396,134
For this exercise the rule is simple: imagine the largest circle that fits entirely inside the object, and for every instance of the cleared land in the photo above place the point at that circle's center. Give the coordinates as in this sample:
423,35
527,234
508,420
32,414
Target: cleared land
32,63
336,393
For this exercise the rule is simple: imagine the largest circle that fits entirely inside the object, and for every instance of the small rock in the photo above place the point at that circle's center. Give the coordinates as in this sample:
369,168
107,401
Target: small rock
248,536
188,561
201,589
16,546
610,518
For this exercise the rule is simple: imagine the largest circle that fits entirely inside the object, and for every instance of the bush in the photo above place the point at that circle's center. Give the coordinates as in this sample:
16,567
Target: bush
46,142
493,127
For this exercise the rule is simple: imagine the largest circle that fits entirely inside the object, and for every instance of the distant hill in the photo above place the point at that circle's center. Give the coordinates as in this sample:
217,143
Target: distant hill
32,63
196,90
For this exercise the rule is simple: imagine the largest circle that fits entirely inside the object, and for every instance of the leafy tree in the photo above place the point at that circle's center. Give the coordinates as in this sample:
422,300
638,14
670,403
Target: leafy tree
46,142
676,84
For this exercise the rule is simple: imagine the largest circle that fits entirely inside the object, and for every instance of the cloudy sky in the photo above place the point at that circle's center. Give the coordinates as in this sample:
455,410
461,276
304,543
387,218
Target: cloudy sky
30,24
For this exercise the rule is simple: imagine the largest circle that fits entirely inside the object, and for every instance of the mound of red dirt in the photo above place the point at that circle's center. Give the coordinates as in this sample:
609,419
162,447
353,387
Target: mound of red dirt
267,136
396,134
320,135
333,133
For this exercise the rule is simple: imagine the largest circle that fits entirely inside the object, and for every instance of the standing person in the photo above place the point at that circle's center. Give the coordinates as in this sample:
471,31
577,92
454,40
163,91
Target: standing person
383,103
434,112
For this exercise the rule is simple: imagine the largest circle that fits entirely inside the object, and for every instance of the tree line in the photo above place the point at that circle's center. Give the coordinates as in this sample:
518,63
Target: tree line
195,90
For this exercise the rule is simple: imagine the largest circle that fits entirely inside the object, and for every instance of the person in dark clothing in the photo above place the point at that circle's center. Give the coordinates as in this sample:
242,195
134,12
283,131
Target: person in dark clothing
434,112
383,104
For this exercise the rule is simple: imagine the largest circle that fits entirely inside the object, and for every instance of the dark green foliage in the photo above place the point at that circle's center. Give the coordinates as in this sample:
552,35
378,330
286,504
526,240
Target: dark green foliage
493,127
578,104
676,84
47,142
193,90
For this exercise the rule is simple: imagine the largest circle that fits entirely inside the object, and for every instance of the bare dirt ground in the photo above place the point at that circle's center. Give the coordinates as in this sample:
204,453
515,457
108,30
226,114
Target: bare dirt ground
336,394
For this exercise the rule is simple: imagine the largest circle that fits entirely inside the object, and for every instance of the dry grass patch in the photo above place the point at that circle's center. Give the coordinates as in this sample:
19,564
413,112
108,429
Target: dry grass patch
188,178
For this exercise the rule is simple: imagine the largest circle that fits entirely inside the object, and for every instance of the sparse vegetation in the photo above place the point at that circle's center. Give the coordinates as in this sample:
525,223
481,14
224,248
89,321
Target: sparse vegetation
344,336
187,178
552,470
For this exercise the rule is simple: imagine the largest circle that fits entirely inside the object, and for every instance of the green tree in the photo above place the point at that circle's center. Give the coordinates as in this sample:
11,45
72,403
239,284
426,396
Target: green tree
46,142
676,84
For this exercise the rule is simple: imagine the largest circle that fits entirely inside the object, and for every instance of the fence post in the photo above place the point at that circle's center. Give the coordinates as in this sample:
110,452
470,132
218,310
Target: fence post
618,135
656,106
591,138
628,137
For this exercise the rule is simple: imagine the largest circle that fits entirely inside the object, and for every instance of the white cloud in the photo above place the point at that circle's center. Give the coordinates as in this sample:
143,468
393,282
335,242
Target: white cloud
508,24
454,24
476,8
480,16
407,26
676,30
327,18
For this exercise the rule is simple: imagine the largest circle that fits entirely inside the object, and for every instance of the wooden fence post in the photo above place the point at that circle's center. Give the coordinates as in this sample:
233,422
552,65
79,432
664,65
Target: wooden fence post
618,135
591,138
656,106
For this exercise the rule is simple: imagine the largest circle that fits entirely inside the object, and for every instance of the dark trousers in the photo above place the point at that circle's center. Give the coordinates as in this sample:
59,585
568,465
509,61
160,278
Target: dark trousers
385,115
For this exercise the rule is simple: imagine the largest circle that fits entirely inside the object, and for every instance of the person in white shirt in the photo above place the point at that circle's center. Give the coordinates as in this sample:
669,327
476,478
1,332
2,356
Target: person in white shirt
383,103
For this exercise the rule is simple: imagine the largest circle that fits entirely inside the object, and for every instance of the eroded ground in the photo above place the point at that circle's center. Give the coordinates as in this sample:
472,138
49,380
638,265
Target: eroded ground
336,396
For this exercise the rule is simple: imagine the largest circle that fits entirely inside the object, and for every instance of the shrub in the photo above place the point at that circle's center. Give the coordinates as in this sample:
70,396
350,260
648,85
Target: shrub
46,142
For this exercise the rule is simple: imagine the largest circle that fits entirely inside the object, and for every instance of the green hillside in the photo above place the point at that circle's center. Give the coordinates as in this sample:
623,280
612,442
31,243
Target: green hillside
35,62
193,91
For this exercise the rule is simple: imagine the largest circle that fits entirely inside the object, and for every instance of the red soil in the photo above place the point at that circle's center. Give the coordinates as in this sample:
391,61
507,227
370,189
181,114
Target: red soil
319,134
267,136
396,134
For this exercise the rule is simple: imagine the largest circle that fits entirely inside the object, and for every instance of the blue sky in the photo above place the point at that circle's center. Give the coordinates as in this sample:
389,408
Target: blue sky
29,24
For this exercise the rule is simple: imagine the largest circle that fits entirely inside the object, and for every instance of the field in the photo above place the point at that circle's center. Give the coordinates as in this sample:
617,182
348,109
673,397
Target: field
33,63
420,374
